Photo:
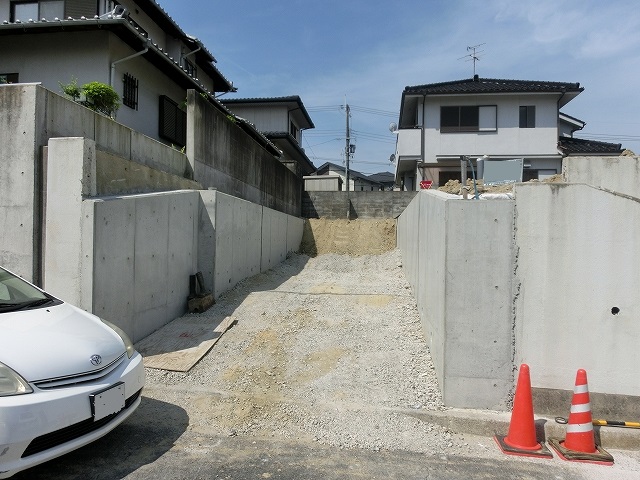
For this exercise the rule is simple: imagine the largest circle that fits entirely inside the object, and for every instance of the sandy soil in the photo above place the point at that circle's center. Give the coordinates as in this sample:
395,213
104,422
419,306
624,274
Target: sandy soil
355,238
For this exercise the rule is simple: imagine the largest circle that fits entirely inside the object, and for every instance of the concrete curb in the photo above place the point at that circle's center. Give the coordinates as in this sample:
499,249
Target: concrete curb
487,423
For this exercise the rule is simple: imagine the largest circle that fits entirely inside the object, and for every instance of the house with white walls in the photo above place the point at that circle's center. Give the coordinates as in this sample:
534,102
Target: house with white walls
132,45
501,119
282,120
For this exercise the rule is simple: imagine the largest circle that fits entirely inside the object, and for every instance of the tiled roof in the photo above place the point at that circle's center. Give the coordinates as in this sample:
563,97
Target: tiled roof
580,146
491,85
294,99
293,143
383,177
353,174
131,35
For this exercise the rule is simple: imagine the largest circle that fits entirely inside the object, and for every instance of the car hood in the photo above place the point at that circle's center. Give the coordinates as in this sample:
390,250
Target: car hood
58,341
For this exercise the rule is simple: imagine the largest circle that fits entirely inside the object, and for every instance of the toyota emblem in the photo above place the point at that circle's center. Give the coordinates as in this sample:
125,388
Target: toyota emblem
96,360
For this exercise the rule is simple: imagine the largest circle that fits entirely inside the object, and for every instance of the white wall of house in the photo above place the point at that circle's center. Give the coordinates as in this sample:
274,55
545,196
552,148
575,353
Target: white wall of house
272,119
151,85
59,57
56,57
508,139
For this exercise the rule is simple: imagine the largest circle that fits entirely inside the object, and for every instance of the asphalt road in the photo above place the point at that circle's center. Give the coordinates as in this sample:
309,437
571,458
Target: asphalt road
156,442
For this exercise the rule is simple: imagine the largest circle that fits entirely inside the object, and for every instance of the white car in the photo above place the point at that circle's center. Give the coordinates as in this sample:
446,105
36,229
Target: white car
67,377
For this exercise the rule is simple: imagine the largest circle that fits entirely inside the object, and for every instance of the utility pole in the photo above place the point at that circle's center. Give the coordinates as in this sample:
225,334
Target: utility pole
347,154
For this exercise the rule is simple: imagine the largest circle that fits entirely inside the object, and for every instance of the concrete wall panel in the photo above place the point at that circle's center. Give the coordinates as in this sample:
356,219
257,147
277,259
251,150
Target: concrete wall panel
621,174
157,155
69,177
479,259
114,260
206,238
68,119
223,280
224,156
295,229
112,137
19,175
182,249
151,269
577,266
452,250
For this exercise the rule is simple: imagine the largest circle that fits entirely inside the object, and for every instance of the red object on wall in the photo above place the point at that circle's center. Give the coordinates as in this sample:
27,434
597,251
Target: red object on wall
425,184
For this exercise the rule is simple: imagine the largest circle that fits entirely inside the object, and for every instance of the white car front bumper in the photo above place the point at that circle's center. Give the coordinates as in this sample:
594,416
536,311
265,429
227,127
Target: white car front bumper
36,427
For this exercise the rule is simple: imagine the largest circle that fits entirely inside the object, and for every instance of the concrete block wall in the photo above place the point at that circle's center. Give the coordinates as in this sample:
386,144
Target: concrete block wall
362,204
458,256
578,304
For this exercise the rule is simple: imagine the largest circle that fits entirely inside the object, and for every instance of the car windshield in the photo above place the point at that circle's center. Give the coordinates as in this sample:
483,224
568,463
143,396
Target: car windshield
16,294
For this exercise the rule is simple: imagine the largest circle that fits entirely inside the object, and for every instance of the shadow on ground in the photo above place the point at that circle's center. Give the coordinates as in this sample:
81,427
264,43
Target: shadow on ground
144,437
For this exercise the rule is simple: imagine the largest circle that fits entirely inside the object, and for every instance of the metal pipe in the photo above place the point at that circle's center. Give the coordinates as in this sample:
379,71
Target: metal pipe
113,65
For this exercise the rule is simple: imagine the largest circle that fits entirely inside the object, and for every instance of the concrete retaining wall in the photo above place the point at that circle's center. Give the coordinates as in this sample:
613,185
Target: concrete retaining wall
458,258
333,205
578,305
226,158
29,116
549,279
128,258
620,174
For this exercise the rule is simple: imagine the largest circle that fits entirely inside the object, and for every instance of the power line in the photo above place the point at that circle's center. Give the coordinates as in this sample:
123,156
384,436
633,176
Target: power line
374,111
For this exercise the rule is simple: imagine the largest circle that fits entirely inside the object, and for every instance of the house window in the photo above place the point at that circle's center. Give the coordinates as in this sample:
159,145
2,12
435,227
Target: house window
8,78
173,122
528,116
293,130
25,11
130,91
191,69
468,119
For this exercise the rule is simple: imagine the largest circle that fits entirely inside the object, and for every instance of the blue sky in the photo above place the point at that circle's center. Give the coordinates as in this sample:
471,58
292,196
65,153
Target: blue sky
367,51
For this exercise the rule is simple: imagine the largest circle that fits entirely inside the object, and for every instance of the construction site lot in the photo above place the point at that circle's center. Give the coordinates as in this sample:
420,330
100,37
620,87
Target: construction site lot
327,349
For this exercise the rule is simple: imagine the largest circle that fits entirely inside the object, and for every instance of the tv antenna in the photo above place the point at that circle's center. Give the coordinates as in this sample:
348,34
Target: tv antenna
474,55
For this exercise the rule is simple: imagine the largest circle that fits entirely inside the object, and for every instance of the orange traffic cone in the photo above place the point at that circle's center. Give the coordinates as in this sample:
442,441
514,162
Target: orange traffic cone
579,444
521,439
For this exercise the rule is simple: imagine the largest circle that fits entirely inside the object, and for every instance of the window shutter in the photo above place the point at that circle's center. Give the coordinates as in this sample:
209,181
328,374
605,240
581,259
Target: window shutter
488,118
79,8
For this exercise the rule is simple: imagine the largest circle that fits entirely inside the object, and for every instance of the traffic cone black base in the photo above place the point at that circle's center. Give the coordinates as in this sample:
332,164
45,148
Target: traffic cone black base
542,452
601,457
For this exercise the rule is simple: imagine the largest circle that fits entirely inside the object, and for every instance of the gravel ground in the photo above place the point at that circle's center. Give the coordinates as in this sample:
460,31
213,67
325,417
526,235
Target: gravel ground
326,349
329,350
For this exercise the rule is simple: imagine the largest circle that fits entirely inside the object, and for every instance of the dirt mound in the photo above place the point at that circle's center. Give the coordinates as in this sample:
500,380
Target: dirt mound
454,186
348,237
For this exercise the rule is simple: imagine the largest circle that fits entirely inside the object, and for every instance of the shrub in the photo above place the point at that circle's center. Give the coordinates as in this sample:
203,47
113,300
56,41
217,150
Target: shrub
99,97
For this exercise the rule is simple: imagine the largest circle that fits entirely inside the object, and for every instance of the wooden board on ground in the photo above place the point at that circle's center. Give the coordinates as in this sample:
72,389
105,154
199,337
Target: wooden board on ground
179,345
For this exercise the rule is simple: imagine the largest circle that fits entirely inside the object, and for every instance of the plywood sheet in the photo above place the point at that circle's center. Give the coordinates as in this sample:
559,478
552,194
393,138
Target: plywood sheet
179,345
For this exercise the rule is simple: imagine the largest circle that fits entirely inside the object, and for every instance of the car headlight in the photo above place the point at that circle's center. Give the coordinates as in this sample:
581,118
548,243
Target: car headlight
11,383
125,338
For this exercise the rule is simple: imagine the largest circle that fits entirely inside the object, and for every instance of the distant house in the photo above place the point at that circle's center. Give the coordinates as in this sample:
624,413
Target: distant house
503,119
358,182
282,120
133,45
386,179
